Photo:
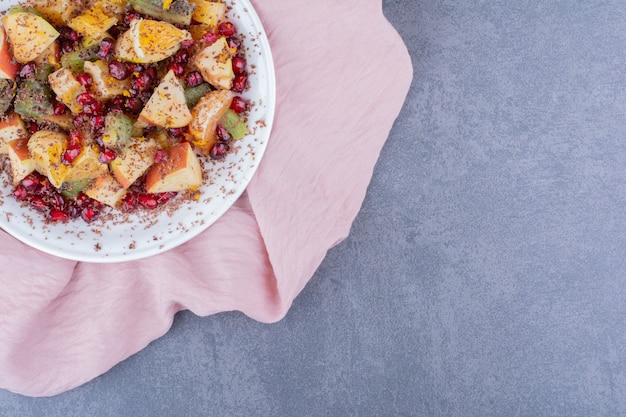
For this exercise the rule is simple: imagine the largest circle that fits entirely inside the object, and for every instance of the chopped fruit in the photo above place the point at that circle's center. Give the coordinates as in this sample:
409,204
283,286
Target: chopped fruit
28,44
92,24
134,161
211,13
167,106
106,190
148,41
67,89
206,115
22,163
215,64
8,66
104,85
11,127
46,148
180,171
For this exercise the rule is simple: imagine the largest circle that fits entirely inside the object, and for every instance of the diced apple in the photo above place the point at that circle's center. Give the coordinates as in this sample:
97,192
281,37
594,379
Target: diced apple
46,148
134,161
8,65
67,88
167,106
21,162
106,190
104,85
11,127
86,165
64,121
212,13
51,56
180,171
215,64
28,34
206,115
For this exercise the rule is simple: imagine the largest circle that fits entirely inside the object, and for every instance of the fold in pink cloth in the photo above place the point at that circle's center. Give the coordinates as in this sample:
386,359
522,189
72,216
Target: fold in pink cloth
342,76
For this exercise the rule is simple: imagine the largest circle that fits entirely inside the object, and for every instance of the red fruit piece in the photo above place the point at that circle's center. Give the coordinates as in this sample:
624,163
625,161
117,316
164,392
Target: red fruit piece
238,104
148,201
226,29
84,79
57,215
89,213
239,83
106,155
219,150
239,65
71,153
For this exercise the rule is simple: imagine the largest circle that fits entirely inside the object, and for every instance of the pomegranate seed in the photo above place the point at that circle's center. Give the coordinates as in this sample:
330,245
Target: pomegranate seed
115,31
181,57
71,153
160,156
75,137
44,187
117,103
178,132
106,48
141,81
234,43
85,99
129,202
219,150
59,108
57,215
178,69
56,201
81,200
119,70
32,127
81,120
163,198
89,213
106,155
98,122
38,203
147,201
73,36
226,29
239,83
238,104
30,182
130,16
210,37
20,193
193,79
93,108
67,46
84,79
27,69
239,65
134,105
222,133
187,43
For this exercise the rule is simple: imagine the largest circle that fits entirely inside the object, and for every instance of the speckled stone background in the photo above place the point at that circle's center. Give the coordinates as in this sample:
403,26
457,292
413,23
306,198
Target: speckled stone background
486,272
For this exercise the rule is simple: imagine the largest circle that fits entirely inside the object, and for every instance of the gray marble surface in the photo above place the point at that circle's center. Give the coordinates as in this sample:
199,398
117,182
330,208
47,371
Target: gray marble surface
485,274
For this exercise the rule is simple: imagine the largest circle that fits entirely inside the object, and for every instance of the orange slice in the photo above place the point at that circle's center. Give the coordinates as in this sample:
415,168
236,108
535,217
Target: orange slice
154,40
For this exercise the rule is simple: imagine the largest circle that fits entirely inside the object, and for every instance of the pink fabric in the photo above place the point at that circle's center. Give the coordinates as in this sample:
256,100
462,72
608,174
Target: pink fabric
342,74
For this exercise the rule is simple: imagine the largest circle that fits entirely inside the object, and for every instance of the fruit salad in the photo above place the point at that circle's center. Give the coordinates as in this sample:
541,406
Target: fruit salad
117,103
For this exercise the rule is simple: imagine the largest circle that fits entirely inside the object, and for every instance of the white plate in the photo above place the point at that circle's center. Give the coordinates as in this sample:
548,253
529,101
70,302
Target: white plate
143,234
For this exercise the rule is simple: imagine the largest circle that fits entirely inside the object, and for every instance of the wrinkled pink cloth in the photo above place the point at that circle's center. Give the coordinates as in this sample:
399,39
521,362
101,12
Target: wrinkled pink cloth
342,76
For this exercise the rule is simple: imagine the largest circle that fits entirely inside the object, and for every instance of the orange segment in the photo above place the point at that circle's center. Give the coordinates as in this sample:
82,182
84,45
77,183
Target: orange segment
154,40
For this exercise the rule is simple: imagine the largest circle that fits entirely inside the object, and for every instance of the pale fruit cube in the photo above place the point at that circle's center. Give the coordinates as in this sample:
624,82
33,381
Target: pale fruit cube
206,115
167,106
215,64
57,12
180,171
104,85
86,165
21,162
106,190
134,161
67,88
211,13
28,34
93,23
51,56
46,148
11,127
